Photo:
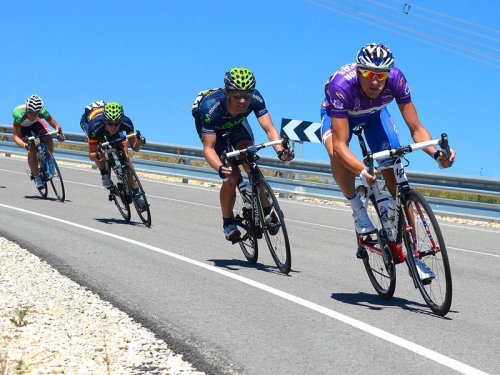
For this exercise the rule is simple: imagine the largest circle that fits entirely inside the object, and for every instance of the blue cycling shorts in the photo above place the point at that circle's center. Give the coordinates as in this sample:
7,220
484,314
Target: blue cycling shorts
379,129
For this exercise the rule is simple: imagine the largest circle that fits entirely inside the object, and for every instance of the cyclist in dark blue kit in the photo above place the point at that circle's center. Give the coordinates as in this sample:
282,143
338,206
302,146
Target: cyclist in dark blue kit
220,110
101,120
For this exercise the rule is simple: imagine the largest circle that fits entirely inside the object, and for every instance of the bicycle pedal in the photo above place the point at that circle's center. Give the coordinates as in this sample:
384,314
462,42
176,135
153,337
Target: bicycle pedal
361,253
236,239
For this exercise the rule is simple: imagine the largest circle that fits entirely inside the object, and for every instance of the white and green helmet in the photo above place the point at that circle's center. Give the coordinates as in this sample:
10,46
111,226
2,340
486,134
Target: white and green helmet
239,79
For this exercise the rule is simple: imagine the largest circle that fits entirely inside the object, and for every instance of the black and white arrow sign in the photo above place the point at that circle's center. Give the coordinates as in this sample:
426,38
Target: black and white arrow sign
302,131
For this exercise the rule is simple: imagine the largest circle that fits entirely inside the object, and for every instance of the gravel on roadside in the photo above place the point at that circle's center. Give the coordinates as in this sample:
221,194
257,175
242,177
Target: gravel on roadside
51,325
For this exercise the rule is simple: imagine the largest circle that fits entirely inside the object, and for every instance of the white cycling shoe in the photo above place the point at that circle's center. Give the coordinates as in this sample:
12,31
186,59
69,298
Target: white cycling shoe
424,272
362,222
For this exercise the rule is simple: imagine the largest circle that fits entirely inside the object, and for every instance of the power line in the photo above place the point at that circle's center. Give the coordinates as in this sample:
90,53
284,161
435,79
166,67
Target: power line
418,32
426,27
405,35
434,21
449,17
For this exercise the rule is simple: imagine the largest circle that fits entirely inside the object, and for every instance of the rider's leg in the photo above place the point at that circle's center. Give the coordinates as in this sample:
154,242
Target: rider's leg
32,162
228,193
133,183
48,142
381,135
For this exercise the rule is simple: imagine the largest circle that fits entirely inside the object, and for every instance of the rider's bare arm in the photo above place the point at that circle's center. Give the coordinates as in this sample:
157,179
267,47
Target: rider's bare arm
272,133
419,133
54,123
135,144
211,156
17,136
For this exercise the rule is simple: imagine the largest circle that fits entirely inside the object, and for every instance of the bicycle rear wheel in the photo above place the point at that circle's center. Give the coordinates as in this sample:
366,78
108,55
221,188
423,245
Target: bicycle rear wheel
275,229
378,261
423,239
55,178
143,211
244,220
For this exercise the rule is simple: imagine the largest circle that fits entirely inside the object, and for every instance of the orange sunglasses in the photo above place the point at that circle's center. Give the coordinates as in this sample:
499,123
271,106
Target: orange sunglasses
381,76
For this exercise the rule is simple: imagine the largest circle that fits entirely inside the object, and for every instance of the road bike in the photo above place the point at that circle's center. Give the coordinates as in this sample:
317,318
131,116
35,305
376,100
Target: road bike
413,224
258,212
47,166
122,192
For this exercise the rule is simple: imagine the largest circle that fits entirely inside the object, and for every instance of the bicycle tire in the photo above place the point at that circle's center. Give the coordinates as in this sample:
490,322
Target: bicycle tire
244,219
275,233
143,212
41,172
118,193
419,241
56,180
382,276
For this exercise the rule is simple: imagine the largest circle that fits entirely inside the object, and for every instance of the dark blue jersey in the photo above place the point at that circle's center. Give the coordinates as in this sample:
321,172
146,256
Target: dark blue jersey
97,129
213,115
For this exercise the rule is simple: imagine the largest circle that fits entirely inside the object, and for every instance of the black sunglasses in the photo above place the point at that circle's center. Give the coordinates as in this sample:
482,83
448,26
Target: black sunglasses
241,94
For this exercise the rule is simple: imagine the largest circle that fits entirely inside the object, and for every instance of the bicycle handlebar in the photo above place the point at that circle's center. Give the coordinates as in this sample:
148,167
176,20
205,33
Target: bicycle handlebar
33,137
254,148
106,144
402,150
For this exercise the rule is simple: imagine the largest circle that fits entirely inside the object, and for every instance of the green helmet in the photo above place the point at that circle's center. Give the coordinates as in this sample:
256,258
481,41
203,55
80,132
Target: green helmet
239,79
113,111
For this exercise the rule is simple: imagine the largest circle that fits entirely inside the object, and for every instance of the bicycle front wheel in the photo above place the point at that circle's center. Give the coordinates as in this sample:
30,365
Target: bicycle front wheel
55,177
273,226
142,208
423,239
378,261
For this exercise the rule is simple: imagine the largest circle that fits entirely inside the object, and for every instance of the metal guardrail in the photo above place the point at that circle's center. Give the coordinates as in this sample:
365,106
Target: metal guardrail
301,177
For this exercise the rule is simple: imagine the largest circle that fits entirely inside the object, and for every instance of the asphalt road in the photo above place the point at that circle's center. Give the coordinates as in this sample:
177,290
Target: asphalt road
181,279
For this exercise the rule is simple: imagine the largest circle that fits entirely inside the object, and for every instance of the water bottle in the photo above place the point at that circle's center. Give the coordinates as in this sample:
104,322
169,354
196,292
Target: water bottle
383,203
246,193
391,212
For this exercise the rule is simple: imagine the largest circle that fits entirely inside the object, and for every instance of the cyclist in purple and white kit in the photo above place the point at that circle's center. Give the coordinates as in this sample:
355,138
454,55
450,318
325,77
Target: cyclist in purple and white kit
359,93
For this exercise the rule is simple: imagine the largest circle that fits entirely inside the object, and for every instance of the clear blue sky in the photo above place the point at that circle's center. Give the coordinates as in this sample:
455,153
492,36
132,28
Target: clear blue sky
155,56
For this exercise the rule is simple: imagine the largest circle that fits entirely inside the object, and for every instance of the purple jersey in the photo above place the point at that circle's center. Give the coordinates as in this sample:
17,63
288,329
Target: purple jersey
344,97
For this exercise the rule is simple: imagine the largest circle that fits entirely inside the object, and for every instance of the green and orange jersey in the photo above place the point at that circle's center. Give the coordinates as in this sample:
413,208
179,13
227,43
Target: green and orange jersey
20,119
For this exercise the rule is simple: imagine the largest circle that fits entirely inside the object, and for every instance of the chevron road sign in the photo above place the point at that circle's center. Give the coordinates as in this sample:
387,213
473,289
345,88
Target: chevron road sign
301,131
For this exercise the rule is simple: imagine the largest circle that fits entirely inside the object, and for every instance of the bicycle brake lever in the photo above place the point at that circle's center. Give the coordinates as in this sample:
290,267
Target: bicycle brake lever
443,143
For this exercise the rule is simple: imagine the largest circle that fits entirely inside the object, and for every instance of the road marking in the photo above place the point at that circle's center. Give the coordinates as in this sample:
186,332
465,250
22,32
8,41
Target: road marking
290,220
377,332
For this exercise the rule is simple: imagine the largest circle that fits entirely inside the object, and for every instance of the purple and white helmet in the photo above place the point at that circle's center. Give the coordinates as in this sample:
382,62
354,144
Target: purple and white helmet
375,55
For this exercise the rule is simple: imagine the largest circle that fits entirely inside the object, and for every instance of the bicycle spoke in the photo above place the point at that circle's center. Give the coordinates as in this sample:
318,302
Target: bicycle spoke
381,275
273,225
425,241
143,210
55,177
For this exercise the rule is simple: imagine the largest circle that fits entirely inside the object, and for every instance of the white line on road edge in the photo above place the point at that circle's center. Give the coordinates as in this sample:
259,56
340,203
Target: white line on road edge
291,220
403,343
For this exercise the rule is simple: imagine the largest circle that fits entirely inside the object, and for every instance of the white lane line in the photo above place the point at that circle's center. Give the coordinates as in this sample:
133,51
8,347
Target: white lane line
396,340
472,251
291,220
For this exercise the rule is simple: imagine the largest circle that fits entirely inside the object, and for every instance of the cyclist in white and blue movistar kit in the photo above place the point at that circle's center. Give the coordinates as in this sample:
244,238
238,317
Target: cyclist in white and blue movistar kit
359,93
